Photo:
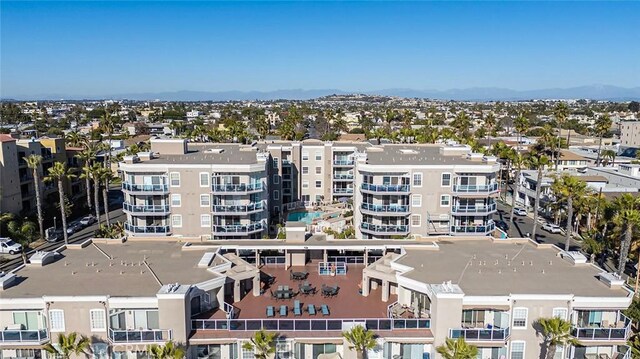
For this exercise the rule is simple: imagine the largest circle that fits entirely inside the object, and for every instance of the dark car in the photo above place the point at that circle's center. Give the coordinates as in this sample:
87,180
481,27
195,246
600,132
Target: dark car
502,225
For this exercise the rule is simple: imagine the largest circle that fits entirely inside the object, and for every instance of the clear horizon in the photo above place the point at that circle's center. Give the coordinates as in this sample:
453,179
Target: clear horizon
101,49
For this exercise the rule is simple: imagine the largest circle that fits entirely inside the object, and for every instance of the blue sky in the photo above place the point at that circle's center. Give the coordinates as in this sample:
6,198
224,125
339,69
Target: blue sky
102,48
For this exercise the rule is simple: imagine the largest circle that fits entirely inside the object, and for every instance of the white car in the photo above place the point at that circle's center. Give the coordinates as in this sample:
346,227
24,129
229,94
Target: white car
9,246
88,220
519,211
552,228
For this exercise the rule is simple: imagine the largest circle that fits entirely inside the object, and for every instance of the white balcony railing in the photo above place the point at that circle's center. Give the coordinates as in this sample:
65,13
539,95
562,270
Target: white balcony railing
139,336
24,336
307,325
480,334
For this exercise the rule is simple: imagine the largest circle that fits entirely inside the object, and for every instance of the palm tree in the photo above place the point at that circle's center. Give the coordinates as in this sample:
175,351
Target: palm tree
609,157
627,220
522,124
556,332
634,346
263,344
34,162
569,188
71,344
517,161
539,162
86,156
168,351
561,112
360,339
74,138
489,124
59,172
108,124
602,125
95,173
106,175
457,349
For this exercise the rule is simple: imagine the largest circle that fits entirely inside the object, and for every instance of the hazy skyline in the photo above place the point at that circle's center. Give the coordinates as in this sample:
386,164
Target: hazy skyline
98,49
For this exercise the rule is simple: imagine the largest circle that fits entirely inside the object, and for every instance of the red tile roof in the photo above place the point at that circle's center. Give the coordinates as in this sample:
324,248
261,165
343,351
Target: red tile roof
6,138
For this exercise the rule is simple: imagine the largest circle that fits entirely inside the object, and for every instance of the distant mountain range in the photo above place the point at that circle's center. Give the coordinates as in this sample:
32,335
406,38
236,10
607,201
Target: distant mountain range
594,92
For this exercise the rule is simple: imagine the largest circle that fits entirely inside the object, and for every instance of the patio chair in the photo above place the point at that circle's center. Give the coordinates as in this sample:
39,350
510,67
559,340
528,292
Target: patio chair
291,276
325,310
283,310
311,309
273,295
296,308
270,312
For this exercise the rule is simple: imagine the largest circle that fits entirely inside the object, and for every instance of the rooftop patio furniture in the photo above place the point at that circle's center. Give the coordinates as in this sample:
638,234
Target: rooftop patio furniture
306,289
298,275
325,309
311,309
283,310
273,295
297,311
270,312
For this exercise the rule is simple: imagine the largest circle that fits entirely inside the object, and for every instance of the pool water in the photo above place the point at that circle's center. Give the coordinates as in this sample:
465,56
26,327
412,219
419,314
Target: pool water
306,217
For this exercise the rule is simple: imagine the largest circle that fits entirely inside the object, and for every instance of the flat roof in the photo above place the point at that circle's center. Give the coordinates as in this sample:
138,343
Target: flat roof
416,155
87,271
484,267
198,154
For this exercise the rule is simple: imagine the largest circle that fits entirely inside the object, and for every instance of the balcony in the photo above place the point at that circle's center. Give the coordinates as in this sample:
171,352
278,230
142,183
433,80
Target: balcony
241,188
145,188
139,336
473,230
474,210
480,334
146,210
378,209
307,325
384,229
147,230
384,188
24,336
343,191
343,177
238,209
343,162
475,190
238,230
619,332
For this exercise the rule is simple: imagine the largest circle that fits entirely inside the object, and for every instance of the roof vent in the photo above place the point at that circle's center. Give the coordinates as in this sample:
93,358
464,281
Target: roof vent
475,156
6,280
42,258
574,257
408,152
206,259
131,159
145,156
214,150
612,280
489,159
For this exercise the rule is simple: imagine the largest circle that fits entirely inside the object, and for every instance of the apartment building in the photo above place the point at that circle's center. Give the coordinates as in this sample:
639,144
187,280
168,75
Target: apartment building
17,193
211,298
206,191
630,133
395,190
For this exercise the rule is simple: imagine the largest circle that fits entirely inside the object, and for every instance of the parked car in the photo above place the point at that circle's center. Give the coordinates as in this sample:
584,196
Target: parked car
552,228
53,235
7,245
88,220
74,227
502,225
519,211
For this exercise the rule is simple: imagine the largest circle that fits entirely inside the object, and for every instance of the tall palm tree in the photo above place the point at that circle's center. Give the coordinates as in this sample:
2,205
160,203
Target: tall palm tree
360,339
263,344
95,173
34,162
627,220
86,156
561,113
489,124
569,188
517,161
60,173
457,349
108,124
167,351
106,175
74,138
539,162
601,126
556,332
522,125
609,157
67,345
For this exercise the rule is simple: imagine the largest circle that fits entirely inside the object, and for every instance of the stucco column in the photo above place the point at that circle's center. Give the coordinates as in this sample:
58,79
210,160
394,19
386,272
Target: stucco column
287,260
236,291
385,290
365,286
366,257
256,285
325,258
257,258
220,297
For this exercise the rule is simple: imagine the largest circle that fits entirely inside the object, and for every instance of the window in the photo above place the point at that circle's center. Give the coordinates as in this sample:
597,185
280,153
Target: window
176,200
517,350
445,200
520,318
56,320
98,320
176,220
276,194
305,184
416,200
204,179
318,155
275,162
318,184
205,200
417,179
560,313
305,170
276,179
205,220
174,179
415,220
305,156
446,180
318,170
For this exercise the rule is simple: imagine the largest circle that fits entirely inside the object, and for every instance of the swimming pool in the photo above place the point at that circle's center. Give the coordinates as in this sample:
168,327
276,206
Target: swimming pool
306,217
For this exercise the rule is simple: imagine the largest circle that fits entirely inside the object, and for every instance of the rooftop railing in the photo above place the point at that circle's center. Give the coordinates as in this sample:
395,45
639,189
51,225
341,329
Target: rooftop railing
152,208
307,325
147,229
618,333
384,187
24,336
139,336
392,208
489,188
135,187
479,334
240,187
